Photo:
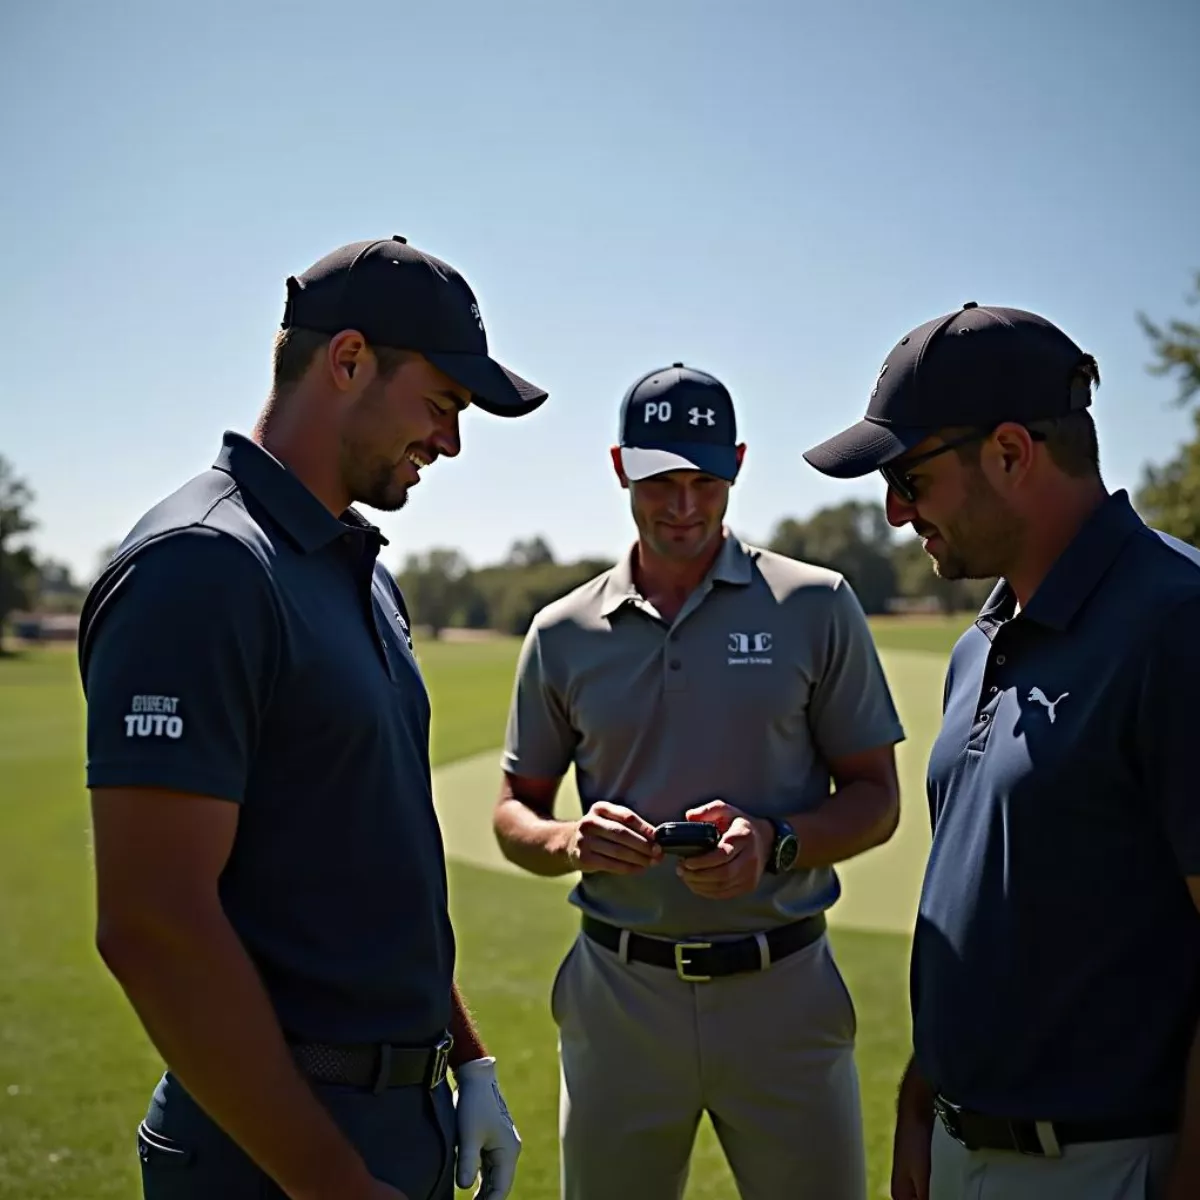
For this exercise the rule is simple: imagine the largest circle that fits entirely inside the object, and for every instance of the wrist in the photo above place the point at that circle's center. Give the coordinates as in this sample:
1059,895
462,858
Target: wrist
475,1068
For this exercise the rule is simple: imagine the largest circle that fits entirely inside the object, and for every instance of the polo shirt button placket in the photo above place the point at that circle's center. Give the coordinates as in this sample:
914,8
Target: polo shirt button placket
675,676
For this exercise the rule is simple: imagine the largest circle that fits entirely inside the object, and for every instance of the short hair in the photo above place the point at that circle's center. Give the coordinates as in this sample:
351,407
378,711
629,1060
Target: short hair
294,350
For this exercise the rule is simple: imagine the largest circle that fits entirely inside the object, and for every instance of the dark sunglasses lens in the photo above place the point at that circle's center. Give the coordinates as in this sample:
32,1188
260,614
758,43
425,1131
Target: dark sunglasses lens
898,483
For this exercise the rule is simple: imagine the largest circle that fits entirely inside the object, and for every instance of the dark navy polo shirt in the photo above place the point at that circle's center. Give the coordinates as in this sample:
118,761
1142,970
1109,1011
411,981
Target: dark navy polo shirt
246,644
1056,962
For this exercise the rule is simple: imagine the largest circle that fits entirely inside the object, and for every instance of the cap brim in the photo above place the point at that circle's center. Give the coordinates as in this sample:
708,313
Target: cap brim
862,448
640,462
493,388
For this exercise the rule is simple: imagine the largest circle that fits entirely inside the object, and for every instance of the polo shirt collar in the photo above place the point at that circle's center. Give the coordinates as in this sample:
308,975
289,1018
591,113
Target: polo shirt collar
291,505
1077,572
732,565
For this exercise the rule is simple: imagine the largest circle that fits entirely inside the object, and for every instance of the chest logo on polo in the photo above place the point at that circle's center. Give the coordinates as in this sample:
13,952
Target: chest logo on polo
1040,696
154,716
750,649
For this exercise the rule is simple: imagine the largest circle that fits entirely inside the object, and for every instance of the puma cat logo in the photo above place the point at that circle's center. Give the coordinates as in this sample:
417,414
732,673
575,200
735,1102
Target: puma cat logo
1040,696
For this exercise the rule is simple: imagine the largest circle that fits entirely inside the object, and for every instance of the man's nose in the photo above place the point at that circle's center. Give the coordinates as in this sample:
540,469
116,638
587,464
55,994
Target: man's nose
899,511
684,502
447,438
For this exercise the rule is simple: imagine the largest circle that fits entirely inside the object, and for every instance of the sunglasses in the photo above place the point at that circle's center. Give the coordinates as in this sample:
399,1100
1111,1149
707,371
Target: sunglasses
902,483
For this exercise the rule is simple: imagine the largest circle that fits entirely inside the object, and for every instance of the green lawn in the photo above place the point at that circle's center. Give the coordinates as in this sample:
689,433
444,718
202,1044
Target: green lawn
75,1069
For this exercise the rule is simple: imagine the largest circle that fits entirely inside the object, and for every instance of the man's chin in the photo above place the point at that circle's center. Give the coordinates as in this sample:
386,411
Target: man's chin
389,501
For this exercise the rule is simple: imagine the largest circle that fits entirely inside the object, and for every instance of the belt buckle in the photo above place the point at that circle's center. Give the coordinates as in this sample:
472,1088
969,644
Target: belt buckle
682,962
441,1060
949,1115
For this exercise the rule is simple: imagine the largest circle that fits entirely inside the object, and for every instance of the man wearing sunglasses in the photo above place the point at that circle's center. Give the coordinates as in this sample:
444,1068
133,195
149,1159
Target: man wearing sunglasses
1056,956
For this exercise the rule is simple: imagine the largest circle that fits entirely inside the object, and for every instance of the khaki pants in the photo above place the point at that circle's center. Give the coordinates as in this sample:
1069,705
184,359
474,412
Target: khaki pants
1133,1169
769,1055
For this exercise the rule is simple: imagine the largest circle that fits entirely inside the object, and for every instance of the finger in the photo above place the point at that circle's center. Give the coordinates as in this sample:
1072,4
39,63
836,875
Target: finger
501,1169
614,837
715,860
468,1161
625,817
594,861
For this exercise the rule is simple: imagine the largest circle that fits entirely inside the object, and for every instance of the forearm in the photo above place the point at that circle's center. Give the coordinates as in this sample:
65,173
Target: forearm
468,1045
204,1007
855,818
538,844
915,1099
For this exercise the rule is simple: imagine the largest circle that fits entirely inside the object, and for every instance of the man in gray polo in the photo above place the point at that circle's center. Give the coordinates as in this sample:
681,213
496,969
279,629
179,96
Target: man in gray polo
707,680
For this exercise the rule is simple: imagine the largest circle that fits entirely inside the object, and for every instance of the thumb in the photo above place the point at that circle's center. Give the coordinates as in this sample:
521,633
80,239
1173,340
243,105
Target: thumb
469,1148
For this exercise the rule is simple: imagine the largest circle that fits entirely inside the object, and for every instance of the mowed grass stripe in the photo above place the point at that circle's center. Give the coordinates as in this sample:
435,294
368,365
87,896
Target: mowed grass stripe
75,1069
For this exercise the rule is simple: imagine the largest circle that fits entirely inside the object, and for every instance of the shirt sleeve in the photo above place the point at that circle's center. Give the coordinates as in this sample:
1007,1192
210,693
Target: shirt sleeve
1169,702
539,739
178,653
851,708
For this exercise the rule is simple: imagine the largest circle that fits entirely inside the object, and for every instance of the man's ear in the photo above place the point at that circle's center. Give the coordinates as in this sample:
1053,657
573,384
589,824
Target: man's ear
347,357
741,454
618,466
1009,452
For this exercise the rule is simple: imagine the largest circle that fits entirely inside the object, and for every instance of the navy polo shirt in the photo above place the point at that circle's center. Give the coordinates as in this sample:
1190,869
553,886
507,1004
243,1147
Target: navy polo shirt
246,644
1056,961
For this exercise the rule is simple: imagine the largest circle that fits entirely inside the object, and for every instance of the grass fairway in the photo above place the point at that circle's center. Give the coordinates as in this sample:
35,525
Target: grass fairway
75,1069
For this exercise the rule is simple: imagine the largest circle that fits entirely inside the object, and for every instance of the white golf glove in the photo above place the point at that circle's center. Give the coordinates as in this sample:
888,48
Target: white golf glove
488,1142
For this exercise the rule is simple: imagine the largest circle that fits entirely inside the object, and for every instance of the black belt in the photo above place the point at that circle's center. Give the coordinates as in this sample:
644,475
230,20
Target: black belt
698,962
979,1131
373,1065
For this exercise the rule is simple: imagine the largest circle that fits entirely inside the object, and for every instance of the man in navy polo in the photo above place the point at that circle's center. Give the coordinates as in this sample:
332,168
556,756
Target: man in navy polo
1056,958
271,883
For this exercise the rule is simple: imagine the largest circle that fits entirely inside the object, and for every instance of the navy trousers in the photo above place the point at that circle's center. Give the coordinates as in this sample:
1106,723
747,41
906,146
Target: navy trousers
406,1136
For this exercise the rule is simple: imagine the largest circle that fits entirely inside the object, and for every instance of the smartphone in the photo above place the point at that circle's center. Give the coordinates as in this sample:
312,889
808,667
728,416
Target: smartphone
686,839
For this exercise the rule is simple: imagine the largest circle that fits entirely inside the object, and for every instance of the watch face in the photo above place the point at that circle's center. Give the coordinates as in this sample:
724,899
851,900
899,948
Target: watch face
788,849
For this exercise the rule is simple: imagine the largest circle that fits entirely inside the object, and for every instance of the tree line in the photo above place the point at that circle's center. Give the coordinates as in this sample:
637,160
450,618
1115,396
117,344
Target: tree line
443,590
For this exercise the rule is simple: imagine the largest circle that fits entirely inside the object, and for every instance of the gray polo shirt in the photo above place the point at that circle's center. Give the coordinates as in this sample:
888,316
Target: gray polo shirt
246,644
767,673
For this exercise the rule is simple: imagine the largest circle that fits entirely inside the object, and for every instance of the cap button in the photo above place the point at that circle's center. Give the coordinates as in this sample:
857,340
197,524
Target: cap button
971,304
397,238
677,364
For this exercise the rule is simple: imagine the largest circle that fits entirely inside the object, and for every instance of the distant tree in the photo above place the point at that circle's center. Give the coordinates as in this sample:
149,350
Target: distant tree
853,538
436,587
916,579
532,552
56,588
1177,348
18,571
1169,495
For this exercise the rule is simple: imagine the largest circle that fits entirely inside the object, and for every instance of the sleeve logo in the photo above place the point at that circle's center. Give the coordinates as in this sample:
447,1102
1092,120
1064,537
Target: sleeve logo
154,716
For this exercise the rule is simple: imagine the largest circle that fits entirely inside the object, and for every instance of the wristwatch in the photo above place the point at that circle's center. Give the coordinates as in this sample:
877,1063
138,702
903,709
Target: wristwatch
784,848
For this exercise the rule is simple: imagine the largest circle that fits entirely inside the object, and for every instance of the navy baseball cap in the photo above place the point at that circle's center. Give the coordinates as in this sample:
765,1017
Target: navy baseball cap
400,297
976,367
678,419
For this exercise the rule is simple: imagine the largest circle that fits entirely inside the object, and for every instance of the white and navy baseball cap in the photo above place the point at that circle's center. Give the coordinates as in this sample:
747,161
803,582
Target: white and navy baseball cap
678,419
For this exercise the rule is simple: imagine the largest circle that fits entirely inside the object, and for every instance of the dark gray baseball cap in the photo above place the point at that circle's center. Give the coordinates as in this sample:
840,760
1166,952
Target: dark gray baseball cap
404,298
976,367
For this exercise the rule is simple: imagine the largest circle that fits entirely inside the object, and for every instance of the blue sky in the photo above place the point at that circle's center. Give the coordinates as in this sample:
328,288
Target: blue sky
774,192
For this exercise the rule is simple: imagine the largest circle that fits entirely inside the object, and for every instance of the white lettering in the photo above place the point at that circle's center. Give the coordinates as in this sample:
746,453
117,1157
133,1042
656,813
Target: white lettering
154,716
659,409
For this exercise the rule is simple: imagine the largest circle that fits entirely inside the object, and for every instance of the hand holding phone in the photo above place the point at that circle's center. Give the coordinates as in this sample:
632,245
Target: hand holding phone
687,839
